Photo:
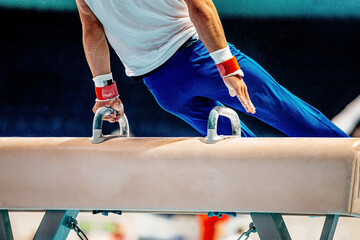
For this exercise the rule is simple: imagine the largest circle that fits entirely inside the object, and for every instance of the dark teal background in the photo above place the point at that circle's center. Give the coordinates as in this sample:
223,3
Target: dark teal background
46,87
289,8
247,8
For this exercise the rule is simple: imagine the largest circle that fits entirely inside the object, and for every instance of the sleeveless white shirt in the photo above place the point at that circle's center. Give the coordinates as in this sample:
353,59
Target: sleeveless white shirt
144,33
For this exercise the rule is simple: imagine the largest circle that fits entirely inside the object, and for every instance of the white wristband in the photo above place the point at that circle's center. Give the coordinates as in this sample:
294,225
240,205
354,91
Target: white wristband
221,55
103,80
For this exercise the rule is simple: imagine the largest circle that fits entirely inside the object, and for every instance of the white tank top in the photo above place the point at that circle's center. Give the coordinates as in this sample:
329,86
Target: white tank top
144,33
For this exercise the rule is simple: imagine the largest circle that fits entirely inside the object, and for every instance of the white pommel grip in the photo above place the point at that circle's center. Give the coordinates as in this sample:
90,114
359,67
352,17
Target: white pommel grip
97,136
212,136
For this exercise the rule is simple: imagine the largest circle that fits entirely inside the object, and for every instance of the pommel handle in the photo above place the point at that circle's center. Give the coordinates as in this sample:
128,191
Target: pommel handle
97,136
217,111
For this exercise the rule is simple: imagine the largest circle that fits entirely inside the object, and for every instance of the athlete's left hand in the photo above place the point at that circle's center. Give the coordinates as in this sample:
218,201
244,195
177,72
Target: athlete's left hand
237,87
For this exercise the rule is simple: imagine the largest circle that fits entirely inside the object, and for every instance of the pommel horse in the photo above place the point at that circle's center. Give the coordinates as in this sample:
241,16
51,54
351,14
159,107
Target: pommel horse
266,177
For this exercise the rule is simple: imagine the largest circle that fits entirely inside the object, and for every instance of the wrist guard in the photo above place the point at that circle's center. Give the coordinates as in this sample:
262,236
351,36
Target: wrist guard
226,63
105,87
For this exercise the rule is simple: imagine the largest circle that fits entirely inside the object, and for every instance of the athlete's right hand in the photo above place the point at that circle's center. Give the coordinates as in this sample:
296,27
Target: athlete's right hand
237,87
115,104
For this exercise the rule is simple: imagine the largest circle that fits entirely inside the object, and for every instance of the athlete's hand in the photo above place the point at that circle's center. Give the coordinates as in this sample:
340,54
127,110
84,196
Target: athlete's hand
115,104
237,87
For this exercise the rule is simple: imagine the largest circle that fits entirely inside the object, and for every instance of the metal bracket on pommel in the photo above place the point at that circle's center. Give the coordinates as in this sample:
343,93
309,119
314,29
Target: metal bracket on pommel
212,136
97,136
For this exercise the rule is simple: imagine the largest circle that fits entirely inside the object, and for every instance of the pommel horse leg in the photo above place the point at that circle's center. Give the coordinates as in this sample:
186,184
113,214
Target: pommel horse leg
270,226
55,224
5,226
329,227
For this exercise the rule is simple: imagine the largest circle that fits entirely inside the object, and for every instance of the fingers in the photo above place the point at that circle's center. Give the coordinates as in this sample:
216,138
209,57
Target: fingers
243,102
116,105
115,117
251,105
119,108
110,118
232,92
247,104
244,98
118,116
237,87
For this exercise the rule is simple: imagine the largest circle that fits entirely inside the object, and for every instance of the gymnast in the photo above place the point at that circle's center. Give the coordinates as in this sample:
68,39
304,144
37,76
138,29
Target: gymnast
179,50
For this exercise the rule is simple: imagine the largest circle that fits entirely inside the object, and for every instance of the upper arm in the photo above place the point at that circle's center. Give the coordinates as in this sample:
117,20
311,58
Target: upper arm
193,2
87,17
199,4
200,8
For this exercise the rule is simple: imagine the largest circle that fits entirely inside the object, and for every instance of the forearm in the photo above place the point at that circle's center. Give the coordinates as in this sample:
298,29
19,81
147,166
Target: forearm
94,40
96,50
98,58
206,20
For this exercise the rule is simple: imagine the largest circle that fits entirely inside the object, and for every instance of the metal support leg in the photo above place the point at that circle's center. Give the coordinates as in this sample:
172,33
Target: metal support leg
270,226
329,227
5,226
54,224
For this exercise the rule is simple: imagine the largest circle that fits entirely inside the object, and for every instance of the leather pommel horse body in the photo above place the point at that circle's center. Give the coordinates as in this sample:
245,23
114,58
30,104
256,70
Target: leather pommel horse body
289,175
262,176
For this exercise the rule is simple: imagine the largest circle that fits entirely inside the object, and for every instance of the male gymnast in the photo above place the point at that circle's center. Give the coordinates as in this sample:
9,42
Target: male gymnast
178,48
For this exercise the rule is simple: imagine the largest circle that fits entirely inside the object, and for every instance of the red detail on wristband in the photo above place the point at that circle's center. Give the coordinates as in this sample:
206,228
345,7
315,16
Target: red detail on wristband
107,92
227,67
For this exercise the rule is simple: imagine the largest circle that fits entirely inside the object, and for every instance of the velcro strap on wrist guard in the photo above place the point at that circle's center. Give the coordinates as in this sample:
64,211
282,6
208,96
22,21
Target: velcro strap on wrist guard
107,92
228,67
103,80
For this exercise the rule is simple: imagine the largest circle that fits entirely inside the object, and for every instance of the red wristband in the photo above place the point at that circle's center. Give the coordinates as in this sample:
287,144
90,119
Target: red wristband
227,67
107,92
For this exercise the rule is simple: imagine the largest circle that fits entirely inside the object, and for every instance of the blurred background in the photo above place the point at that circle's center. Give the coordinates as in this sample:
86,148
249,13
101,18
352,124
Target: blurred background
311,47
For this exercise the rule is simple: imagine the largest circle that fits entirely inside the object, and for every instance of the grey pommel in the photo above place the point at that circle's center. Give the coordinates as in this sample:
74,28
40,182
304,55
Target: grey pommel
97,136
212,136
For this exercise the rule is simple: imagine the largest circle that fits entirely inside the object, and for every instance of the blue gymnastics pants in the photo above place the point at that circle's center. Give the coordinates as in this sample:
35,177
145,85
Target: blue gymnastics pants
189,85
